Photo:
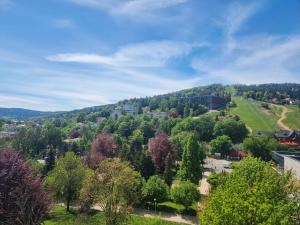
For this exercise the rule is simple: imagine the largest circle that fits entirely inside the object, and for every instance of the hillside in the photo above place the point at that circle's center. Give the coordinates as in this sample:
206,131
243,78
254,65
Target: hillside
258,118
20,113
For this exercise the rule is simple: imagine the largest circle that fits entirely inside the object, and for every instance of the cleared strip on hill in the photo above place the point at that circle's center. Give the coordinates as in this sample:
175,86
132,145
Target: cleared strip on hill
254,116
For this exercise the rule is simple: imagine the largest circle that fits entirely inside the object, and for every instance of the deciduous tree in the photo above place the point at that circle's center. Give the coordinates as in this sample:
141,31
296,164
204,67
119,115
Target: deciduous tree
155,188
185,193
23,199
66,178
103,147
115,187
159,148
254,193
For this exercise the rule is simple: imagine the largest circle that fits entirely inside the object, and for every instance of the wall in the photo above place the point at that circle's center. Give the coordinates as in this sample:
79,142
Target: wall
292,164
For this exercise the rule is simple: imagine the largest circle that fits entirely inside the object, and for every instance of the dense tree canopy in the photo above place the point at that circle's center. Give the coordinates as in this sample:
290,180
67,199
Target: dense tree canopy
261,147
202,127
222,144
236,130
254,193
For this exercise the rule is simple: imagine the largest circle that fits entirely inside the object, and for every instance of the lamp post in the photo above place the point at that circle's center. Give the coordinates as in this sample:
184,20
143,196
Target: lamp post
155,204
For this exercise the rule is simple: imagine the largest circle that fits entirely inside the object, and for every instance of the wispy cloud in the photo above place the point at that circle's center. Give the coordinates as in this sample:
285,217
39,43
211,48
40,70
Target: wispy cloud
5,4
149,54
237,15
143,8
270,59
64,23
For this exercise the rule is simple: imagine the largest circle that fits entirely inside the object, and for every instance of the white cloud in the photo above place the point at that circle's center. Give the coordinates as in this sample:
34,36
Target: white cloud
273,62
148,54
143,8
237,15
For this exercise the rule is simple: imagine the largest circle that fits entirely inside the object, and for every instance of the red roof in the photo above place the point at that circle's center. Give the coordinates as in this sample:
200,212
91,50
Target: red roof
238,153
290,143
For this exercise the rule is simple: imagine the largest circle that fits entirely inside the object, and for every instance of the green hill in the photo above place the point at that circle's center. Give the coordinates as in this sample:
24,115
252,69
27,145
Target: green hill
255,117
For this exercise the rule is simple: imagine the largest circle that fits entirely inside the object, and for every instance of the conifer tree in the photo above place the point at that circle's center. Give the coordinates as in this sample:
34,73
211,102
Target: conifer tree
50,160
168,173
190,168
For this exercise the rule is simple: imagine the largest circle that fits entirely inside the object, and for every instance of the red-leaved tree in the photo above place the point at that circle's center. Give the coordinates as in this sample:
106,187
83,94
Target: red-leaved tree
159,147
104,146
23,199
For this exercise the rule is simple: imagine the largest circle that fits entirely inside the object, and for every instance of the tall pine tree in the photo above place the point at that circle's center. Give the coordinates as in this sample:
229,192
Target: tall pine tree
50,160
190,168
168,173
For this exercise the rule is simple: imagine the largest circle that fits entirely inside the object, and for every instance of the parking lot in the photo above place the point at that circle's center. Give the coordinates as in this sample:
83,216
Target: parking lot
218,165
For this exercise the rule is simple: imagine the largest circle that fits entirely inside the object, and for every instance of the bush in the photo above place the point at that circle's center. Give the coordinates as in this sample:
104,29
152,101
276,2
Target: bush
185,193
155,188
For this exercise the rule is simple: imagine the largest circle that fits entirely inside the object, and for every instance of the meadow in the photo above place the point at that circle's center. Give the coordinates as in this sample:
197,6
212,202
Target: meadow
254,116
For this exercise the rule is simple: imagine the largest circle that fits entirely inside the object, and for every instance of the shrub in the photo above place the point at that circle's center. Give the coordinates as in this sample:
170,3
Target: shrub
185,193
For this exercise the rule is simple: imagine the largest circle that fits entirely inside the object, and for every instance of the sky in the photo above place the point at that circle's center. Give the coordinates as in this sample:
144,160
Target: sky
70,54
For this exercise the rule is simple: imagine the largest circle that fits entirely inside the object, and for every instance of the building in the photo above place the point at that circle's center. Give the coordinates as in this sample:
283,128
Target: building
210,101
158,114
288,161
116,113
130,109
288,137
123,110
7,134
237,155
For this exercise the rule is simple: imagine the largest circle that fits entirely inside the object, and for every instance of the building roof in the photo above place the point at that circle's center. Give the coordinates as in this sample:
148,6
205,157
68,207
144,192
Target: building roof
238,153
284,133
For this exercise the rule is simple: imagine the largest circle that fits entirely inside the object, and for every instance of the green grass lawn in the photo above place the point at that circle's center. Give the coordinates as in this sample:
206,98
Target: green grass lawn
173,207
251,113
59,216
293,117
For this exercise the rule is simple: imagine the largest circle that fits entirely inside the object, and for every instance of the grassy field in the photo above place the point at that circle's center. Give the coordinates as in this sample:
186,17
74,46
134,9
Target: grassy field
59,216
253,115
293,117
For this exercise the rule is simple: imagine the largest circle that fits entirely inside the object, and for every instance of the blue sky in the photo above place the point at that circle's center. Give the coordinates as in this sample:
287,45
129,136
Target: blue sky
67,54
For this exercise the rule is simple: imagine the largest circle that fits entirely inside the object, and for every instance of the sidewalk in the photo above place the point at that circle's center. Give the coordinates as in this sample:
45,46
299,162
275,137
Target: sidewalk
172,217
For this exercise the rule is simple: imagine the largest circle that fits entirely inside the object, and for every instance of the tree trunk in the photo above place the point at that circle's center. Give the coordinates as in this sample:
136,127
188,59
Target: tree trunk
68,205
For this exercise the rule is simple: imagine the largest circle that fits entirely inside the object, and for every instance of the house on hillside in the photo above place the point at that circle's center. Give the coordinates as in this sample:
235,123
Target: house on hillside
158,114
116,113
288,137
210,101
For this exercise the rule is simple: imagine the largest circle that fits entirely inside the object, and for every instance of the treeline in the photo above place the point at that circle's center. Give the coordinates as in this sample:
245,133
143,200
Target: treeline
266,92
177,102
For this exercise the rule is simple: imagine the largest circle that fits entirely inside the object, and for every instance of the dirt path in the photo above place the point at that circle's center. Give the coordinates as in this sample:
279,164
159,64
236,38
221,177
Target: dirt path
283,117
204,185
172,217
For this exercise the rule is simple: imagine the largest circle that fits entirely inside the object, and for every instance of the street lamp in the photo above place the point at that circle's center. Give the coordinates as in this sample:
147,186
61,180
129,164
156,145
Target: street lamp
155,204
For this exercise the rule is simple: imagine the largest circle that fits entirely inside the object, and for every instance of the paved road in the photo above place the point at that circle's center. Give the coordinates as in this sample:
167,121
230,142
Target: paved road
218,165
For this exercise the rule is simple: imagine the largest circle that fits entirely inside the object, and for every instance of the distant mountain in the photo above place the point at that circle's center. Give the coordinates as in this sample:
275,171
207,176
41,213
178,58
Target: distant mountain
20,113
